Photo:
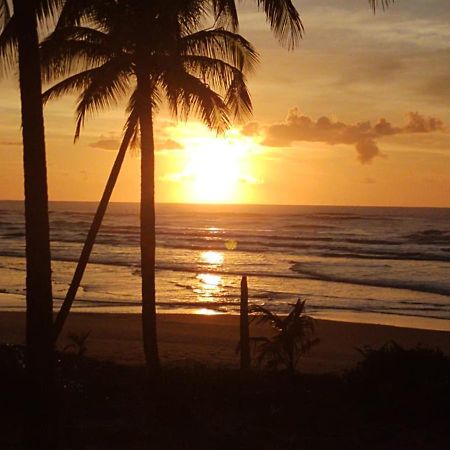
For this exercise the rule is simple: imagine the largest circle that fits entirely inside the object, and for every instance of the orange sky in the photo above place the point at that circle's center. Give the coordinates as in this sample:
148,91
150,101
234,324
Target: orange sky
309,141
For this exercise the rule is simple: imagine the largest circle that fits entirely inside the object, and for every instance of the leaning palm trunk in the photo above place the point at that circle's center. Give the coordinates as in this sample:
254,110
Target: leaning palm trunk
147,219
92,234
40,358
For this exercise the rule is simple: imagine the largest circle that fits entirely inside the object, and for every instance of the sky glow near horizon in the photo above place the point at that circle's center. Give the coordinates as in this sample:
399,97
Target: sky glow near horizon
309,140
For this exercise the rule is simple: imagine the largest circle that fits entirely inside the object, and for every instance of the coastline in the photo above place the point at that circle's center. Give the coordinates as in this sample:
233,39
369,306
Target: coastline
189,339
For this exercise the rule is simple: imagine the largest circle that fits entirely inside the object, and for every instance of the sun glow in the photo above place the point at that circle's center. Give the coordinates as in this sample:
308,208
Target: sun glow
217,169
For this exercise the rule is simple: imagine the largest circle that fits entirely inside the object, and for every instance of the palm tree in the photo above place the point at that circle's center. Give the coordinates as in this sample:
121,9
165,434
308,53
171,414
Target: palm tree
19,43
151,52
285,22
294,336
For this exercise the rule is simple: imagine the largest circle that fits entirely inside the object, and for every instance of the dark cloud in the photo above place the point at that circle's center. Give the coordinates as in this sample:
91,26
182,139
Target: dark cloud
106,144
362,135
420,124
113,144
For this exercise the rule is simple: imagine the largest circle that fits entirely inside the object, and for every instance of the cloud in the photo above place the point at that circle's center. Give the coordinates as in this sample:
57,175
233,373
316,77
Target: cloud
11,143
105,143
362,135
421,124
169,144
112,143
250,129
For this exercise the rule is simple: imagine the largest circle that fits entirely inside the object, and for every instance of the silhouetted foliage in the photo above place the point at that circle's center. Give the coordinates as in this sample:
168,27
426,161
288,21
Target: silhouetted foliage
392,379
103,406
78,342
294,337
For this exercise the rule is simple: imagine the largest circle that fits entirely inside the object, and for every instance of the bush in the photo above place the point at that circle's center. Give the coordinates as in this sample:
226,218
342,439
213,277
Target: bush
394,380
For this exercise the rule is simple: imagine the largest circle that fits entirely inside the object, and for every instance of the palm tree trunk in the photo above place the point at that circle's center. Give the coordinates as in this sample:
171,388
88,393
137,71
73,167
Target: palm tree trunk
40,426
92,234
147,219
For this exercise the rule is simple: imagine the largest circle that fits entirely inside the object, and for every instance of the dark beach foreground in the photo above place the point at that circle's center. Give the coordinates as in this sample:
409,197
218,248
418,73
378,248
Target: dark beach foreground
398,400
211,340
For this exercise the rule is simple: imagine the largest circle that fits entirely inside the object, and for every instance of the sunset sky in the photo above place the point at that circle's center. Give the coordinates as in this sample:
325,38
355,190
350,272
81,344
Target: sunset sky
359,114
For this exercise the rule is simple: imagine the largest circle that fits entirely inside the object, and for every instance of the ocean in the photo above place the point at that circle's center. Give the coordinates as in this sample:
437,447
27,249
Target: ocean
363,264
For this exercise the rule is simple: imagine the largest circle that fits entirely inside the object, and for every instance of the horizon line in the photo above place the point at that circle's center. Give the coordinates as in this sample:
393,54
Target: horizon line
244,204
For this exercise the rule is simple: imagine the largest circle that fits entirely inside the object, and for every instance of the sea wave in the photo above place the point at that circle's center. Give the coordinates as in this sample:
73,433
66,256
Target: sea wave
411,285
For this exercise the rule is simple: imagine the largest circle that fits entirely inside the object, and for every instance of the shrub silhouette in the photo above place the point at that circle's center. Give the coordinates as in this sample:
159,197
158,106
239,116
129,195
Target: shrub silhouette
392,379
294,337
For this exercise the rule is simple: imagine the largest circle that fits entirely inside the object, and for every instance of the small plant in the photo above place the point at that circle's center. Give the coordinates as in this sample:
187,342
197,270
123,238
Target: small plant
77,342
294,337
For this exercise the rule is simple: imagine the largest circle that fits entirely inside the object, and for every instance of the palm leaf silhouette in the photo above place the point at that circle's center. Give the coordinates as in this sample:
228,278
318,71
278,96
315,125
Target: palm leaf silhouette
293,338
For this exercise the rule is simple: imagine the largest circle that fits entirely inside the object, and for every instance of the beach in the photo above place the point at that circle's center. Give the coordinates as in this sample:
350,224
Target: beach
211,340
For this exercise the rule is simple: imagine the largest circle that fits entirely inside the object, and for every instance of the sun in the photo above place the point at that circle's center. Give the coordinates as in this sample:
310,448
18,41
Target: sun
216,167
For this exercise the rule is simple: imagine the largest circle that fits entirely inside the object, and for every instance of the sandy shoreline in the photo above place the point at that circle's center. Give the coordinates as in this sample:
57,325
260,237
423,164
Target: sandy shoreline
211,340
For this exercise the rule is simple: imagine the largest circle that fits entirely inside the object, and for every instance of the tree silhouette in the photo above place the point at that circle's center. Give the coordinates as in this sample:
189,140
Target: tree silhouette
149,52
19,45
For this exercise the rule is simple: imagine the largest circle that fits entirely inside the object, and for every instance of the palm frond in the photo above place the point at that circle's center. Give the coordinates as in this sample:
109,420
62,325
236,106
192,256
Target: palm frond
5,13
110,83
223,78
48,9
71,85
222,44
133,119
238,98
264,315
101,88
187,95
284,21
297,310
215,72
188,14
226,13
73,49
74,12
383,3
8,46
294,336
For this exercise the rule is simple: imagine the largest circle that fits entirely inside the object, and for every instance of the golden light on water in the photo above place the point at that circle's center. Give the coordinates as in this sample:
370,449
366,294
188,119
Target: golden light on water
212,257
210,282
206,312
209,285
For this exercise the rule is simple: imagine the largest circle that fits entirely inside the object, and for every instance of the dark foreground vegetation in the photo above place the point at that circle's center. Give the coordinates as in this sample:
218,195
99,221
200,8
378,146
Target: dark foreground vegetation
394,399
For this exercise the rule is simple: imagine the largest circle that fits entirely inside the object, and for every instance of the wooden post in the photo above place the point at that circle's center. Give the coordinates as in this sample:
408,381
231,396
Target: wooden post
245,340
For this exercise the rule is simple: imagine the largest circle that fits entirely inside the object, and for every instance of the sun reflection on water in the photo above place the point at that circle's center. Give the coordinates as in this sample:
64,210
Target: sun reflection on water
206,312
209,286
211,257
210,281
